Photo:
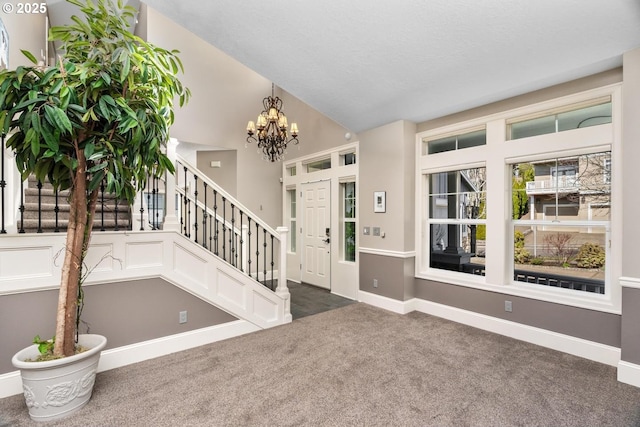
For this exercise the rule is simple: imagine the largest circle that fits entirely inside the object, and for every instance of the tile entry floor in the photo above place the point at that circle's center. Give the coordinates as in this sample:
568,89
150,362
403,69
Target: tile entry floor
308,299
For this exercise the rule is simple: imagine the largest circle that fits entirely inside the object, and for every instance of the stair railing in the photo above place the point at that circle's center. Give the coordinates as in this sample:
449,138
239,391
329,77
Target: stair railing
189,203
214,219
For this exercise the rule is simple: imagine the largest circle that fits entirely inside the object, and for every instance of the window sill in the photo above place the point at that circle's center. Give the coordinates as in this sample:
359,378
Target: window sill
597,302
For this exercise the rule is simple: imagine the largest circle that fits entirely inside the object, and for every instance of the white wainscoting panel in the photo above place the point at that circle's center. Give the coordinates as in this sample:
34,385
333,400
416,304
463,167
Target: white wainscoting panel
190,265
143,254
264,308
12,263
231,290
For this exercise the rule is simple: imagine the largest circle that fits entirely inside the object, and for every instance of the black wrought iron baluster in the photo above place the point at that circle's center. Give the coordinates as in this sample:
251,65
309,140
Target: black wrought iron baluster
204,217
257,252
215,216
249,246
182,226
21,208
115,213
187,213
142,211
156,189
102,206
232,233
211,233
195,206
3,184
224,228
264,245
241,243
272,264
39,206
56,210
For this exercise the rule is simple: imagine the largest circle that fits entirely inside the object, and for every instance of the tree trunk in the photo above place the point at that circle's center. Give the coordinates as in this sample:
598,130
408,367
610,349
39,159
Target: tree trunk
72,266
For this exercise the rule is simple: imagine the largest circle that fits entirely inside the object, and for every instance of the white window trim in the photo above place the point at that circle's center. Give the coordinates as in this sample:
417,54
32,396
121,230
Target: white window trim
498,155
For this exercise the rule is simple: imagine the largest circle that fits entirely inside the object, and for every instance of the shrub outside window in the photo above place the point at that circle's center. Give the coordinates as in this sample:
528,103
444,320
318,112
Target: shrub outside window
561,221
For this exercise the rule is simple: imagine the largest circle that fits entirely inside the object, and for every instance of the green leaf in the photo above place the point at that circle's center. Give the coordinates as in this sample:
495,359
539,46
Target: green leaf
57,118
29,56
89,149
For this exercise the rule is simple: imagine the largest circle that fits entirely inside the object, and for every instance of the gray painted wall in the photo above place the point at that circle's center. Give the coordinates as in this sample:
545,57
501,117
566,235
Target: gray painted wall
576,322
395,276
226,176
125,312
630,325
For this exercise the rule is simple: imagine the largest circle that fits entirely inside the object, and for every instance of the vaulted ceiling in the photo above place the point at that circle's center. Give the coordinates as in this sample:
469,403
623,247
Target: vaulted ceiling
367,63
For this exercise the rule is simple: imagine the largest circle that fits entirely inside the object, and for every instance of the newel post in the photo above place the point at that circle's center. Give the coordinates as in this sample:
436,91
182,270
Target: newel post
282,289
170,219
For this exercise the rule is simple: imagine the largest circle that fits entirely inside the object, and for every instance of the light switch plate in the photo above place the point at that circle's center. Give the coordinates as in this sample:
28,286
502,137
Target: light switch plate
376,231
366,231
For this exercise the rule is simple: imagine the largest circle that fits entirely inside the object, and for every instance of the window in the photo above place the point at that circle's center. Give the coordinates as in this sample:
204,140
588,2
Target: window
572,117
457,201
561,221
349,221
319,165
291,195
457,142
543,208
292,171
348,159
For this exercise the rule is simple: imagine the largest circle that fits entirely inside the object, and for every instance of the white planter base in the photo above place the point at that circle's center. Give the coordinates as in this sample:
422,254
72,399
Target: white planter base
57,388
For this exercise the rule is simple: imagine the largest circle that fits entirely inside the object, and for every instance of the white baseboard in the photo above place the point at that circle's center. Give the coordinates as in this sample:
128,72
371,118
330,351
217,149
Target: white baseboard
629,373
576,346
11,383
390,304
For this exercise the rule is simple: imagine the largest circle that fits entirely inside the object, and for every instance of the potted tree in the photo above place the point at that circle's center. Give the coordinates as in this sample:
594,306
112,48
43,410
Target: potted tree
100,115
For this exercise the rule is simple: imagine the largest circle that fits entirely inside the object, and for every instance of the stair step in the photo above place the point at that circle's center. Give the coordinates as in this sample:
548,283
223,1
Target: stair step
49,225
64,215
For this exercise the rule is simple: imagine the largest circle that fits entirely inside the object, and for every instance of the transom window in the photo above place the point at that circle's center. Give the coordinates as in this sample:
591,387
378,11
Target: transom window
574,118
457,142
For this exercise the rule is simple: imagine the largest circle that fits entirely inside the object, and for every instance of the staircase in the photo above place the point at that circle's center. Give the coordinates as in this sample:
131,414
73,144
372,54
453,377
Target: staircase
47,211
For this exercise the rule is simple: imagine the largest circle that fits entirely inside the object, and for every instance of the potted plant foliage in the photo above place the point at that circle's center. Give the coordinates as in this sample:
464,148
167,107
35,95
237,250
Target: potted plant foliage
100,115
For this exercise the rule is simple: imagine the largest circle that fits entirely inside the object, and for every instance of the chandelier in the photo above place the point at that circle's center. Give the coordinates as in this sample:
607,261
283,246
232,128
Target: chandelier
270,130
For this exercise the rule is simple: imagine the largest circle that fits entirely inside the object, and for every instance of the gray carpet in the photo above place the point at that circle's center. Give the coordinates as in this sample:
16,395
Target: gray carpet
357,366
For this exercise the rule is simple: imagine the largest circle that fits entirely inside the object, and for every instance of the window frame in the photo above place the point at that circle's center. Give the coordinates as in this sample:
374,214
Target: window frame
351,220
498,155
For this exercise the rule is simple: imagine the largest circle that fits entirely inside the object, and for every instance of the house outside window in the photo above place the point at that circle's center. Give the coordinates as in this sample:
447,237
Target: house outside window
561,228
456,210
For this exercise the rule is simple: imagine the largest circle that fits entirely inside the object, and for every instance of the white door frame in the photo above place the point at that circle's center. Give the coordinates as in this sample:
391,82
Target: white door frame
344,274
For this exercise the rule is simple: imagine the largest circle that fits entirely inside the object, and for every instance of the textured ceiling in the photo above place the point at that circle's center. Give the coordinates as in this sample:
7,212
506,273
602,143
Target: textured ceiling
367,63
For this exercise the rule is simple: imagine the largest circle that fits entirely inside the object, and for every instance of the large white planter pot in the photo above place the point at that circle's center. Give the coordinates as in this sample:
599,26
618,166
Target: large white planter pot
57,388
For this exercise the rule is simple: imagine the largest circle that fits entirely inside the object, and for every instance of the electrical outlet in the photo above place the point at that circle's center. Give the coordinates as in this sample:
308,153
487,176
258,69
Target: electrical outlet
183,317
375,283
508,307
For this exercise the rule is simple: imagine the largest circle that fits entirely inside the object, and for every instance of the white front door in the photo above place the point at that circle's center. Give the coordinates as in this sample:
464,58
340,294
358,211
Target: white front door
316,234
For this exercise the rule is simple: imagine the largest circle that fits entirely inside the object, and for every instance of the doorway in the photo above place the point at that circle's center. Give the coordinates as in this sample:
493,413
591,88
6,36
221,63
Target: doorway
316,236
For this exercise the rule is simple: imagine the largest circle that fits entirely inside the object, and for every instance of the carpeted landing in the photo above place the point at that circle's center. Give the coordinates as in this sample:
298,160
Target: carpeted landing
357,366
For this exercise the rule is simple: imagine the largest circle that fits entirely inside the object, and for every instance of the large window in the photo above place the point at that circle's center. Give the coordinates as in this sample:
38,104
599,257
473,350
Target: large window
561,214
531,212
349,221
457,201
